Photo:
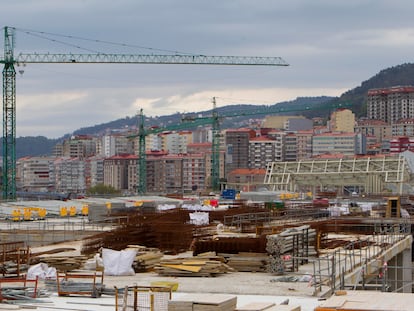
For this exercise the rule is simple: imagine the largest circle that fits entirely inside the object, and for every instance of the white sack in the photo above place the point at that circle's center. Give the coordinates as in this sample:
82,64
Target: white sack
118,262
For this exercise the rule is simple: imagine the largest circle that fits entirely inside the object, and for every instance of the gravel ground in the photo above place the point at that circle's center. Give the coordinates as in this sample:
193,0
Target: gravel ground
237,283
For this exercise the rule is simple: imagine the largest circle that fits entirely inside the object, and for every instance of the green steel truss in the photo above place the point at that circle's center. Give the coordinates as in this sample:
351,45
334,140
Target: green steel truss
9,118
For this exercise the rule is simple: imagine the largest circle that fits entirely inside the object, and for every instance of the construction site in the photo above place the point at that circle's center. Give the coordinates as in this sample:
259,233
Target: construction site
185,248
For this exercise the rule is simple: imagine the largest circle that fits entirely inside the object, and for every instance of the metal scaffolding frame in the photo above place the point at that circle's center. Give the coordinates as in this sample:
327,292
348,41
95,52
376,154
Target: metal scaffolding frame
373,174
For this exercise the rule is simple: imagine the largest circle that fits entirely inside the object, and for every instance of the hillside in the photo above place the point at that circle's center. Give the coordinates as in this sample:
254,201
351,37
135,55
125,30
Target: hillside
397,75
315,106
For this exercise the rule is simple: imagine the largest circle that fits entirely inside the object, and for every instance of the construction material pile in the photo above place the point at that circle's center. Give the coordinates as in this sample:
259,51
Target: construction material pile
203,265
289,249
62,263
230,245
146,258
168,230
247,262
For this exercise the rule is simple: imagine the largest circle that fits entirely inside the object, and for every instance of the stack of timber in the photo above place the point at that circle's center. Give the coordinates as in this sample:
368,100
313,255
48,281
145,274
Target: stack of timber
203,302
62,263
192,266
146,258
290,248
247,261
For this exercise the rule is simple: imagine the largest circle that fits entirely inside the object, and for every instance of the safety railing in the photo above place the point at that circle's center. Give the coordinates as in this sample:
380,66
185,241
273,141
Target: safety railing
331,269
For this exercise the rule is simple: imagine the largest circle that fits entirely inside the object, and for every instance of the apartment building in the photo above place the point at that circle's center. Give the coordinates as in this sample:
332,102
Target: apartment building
237,144
116,144
202,135
291,147
155,171
34,174
261,151
176,142
379,129
304,144
117,170
206,150
391,104
279,137
69,175
194,172
288,123
401,144
94,171
342,120
403,127
343,143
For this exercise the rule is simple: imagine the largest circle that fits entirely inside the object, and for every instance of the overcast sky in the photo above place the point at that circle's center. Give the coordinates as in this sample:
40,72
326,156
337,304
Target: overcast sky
330,45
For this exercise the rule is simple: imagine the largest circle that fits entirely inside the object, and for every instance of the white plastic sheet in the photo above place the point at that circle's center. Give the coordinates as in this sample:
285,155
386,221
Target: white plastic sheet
41,271
199,218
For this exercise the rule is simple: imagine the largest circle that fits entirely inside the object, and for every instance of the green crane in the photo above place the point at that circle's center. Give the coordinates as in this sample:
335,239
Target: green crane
9,85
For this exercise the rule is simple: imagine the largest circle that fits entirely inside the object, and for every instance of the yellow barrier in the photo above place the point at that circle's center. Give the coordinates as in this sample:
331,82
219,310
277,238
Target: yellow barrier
85,210
72,211
16,215
63,211
42,212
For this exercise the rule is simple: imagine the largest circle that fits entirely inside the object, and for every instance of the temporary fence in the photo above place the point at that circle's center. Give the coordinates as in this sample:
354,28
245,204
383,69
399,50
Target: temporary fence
139,298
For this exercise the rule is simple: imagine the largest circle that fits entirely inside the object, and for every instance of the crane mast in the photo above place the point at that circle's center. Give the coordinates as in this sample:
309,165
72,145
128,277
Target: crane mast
9,117
142,161
9,88
215,154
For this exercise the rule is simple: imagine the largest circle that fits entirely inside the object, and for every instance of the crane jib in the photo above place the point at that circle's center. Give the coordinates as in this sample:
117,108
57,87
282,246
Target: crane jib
150,59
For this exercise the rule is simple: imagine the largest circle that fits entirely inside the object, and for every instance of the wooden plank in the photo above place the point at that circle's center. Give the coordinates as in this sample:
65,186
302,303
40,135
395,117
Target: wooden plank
183,267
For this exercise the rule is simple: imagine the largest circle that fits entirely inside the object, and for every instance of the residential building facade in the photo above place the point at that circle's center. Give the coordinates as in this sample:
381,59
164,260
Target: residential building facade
237,144
391,104
342,120
335,143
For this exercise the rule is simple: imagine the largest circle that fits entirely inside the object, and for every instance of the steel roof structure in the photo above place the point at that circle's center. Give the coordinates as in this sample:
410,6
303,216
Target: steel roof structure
371,174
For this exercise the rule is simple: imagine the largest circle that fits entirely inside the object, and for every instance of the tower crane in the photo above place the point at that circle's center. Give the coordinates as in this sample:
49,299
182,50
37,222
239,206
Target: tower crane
9,85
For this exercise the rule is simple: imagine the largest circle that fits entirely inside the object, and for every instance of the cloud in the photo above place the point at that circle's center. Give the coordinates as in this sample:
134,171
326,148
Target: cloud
331,46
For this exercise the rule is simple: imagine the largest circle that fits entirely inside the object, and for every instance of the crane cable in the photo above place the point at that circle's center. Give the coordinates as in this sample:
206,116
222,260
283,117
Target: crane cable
43,35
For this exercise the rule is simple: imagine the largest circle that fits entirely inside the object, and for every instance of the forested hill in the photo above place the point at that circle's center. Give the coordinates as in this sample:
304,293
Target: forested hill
395,76
354,99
